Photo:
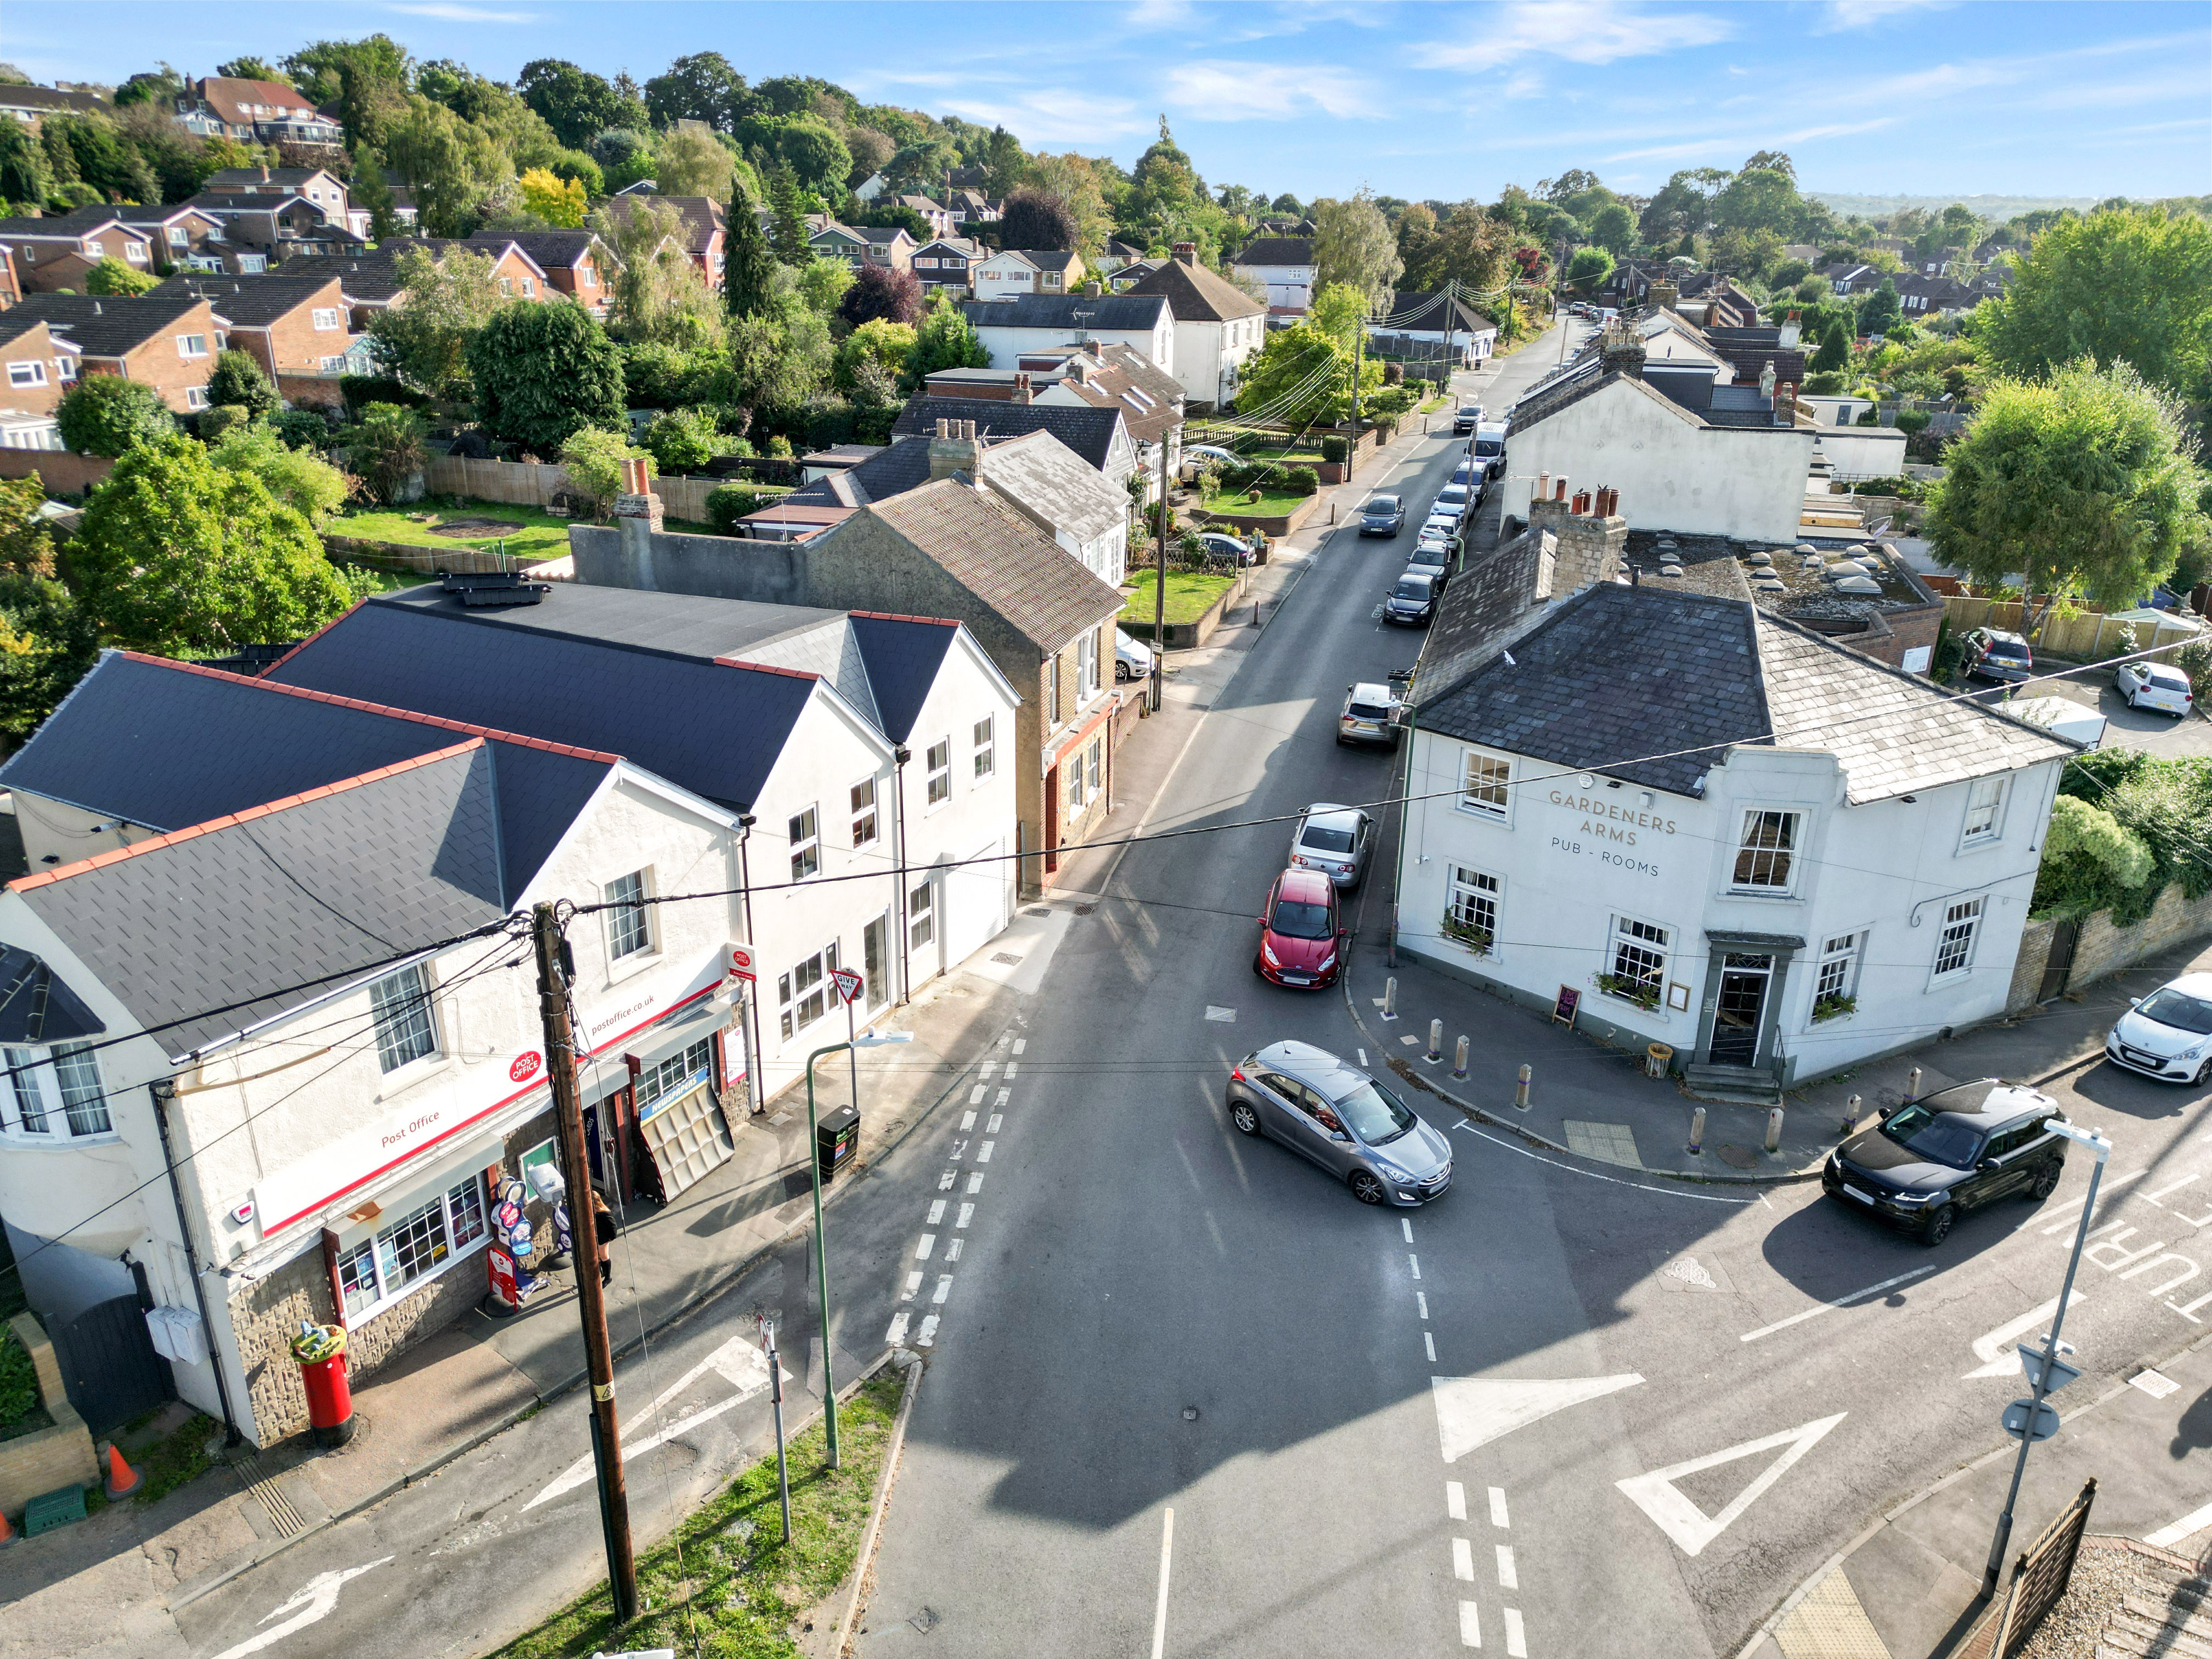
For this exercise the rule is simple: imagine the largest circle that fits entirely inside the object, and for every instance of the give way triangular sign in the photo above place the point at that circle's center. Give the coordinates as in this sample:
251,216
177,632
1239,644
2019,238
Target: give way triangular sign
1474,1411
1689,1526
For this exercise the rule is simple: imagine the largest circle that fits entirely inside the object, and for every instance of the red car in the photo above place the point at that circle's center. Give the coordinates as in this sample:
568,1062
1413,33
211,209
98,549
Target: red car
1299,938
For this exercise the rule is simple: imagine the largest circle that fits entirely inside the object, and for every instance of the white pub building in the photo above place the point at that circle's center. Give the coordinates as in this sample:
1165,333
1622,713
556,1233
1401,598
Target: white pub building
1722,832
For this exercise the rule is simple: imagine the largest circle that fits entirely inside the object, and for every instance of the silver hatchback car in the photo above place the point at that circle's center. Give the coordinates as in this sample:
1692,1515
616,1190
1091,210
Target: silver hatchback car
1333,840
1343,1119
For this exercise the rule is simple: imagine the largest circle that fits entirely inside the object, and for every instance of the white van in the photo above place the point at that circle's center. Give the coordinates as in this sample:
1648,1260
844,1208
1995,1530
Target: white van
2062,717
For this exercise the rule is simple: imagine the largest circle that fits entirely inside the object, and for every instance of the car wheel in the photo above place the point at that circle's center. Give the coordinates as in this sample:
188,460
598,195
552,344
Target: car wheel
1366,1188
1937,1227
2045,1182
1246,1119
1258,969
2204,1073
1120,671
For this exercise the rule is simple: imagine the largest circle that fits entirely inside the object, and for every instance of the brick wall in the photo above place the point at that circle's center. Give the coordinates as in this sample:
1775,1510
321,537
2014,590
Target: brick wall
292,347
2028,967
2104,948
46,1459
59,472
34,345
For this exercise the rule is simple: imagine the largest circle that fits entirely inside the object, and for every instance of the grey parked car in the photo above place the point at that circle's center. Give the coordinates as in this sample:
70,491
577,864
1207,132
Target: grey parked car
1336,1115
1333,840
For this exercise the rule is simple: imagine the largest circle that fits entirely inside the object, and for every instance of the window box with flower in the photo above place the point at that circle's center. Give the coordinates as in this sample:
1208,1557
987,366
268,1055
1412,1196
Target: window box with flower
1466,934
1827,1008
1645,994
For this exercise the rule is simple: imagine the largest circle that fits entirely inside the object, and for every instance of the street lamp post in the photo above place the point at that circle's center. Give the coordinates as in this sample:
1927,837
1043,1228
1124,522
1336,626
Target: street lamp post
873,1040
2045,1376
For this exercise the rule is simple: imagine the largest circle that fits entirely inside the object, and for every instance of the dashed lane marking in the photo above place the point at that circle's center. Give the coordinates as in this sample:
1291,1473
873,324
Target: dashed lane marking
944,1289
1516,1639
913,1284
966,1122
1429,1342
967,1213
1422,1296
1463,1560
952,1251
1004,1094
985,1070
992,1127
1497,1508
928,1336
983,1152
1470,1625
975,1181
1407,1223
937,1210
895,1337
922,1251
976,1096
1454,1500
1413,1263
1221,1016
1021,1045
944,1181
1507,1579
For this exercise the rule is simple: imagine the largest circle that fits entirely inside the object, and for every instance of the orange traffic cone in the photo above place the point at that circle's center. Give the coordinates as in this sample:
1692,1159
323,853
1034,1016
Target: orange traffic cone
7,1533
122,1478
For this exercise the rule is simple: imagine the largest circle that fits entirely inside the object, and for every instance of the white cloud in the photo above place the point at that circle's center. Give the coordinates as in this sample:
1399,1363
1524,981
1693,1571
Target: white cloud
1056,115
1525,83
1580,31
1219,89
456,14
1843,15
1148,14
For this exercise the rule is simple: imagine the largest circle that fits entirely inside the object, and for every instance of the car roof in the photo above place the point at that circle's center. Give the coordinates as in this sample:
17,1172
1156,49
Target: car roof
1305,886
2001,1101
1371,691
2159,671
1330,815
1374,501
2002,636
2193,985
1327,1072
1489,427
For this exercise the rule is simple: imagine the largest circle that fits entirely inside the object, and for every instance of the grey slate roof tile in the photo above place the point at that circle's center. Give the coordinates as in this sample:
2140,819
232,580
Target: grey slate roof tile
1088,431
903,655
1003,559
1073,314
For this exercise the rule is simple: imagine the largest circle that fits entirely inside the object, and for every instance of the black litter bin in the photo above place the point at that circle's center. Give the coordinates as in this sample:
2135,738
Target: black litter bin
836,1137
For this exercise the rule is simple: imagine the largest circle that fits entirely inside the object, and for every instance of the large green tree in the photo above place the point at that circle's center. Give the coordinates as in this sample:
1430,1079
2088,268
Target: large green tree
657,293
2082,483
1613,228
748,263
2128,284
45,644
183,558
1835,350
1353,246
1883,312
1588,270
459,170
543,371
701,87
574,103
945,338
424,339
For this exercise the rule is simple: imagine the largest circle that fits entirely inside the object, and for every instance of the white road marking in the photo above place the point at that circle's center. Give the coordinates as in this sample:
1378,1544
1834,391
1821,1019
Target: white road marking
944,1181
1815,1311
967,1211
1021,1045
1429,1341
992,1127
1004,1094
1362,1055
976,1096
895,1337
952,1250
913,1284
1415,1262
966,1122
983,1152
313,1601
959,1150
1470,1625
922,1251
1220,1016
2175,1186
2167,1537
2073,1219
1690,1527
975,1181
1474,1411
1994,1350
1592,1175
928,1337
1497,1508
736,1362
944,1288
1516,1639
1507,1579
1454,1500
936,1211
1422,1296
1406,1222
1160,1605
1463,1560
1410,1041
1012,1067
985,1070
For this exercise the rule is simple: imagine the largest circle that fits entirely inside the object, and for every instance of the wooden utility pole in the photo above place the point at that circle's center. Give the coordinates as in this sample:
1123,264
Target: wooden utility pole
591,1295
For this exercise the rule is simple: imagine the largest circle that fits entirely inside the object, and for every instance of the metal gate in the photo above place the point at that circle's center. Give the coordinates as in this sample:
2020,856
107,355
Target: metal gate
2059,964
109,1367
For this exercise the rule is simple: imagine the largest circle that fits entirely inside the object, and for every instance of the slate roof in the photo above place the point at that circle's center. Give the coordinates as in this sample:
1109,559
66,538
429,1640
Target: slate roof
1046,258
903,655
371,276
716,729
251,302
109,325
254,177
37,1005
1088,431
892,470
1615,672
77,221
1074,314
1487,603
1038,471
1008,563
552,249
1196,294
1276,251
1431,312
14,323
14,97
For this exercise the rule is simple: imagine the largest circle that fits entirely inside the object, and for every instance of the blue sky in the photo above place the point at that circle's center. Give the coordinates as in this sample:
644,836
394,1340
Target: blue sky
1924,97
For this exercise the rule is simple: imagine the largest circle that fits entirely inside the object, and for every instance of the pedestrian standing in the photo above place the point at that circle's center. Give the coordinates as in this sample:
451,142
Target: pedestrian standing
603,1231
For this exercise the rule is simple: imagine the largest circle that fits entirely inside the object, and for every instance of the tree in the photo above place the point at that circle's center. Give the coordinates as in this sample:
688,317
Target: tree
878,343
701,87
1613,228
388,446
238,382
945,338
556,201
656,292
1072,181
821,285
1587,271
454,166
46,645
1003,161
543,371
878,291
1881,313
1772,161
25,173
366,80
1353,246
2081,481
887,216
787,231
424,338
688,163
307,483
748,264
1473,249
91,149
1303,374
624,156
1759,198
1420,252
592,459
110,275
250,67
106,415
1835,350
1030,218
182,558
370,193
2127,285
683,441
813,151
574,103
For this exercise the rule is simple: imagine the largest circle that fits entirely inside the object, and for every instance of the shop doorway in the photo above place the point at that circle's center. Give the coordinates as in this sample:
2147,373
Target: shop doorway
1745,978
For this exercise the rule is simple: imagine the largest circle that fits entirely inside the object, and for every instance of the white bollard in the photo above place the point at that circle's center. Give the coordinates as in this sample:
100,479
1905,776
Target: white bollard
1436,1041
1774,1130
1698,1133
1521,1089
1913,1083
1850,1124
1459,1059
1390,998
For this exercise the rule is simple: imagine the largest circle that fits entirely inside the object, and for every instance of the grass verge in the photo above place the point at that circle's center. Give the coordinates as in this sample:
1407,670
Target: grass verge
528,533
1270,505
724,1585
1432,405
1190,595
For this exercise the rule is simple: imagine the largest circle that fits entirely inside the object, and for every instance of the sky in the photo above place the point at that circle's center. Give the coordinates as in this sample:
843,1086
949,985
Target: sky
1919,97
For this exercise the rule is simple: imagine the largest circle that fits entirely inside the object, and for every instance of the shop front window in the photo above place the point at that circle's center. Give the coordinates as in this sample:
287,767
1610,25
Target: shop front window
674,1075
409,1250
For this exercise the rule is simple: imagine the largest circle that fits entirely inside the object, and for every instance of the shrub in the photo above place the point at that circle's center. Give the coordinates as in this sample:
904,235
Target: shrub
19,1380
388,448
1911,422
684,441
302,428
728,504
1868,418
1335,448
304,481
359,391
1824,383
239,383
111,276
1301,480
106,415
212,423
592,459
779,446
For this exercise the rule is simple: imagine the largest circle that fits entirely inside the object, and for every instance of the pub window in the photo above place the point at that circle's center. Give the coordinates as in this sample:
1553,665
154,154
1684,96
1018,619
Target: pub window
1639,959
1483,788
1955,946
1837,975
383,1265
1766,854
920,914
1472,918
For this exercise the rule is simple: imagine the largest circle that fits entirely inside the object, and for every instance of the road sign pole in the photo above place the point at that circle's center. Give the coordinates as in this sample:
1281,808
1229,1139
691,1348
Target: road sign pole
2102,1149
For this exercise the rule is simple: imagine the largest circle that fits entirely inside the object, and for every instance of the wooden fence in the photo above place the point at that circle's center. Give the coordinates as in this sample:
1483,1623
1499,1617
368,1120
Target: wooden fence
2087,636
2039,1577
539,483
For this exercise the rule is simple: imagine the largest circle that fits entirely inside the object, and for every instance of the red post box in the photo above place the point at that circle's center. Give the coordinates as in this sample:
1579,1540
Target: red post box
319,1351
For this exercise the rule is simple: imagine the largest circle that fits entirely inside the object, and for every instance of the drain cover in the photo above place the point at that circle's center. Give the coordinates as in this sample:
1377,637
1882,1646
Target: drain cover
925,1621
1741,1157
1038,910
798,1183
1006,956
1190,1413
1084,909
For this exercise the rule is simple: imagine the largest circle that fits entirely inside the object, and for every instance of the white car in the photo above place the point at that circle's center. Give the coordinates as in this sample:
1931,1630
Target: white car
2154,685
1132,658
2168,1034
1442,523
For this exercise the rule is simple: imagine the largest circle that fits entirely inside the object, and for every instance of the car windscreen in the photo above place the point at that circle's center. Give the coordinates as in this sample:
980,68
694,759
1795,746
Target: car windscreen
1937,1136
1381,507
1367,711
1375,1115
1451,495
1296,919
1322,839
2177,1009
2012,650
1490,446
1471,411
1412,589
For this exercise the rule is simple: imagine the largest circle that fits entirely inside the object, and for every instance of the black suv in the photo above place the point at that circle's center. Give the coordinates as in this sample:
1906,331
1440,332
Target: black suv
1466,418
1953,1150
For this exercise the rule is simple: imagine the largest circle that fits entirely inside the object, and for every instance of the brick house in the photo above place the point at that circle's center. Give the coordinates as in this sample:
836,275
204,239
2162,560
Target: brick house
56,250
319,185
167,342
40,367
182,237
297,328
11,285
888,246
371,276
269,112
945,262
283,226
576,263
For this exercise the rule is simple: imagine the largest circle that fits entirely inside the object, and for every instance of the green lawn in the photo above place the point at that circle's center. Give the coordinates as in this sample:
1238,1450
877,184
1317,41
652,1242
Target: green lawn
1190,595
1270,504
1282,455
725,1585
1432,405
529,534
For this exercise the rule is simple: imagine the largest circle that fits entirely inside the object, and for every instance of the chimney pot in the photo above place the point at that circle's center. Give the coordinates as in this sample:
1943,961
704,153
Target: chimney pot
1559,490
943,429
1581,504
1543,485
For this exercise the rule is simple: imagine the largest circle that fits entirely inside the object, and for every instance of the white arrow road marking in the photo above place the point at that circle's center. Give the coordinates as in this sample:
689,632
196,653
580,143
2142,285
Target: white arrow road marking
1994,1350
315,1601
1690,1527
1474,1411
737,1361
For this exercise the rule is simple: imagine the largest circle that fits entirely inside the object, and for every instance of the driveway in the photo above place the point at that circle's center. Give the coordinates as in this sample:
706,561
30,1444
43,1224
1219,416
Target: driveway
2125,727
